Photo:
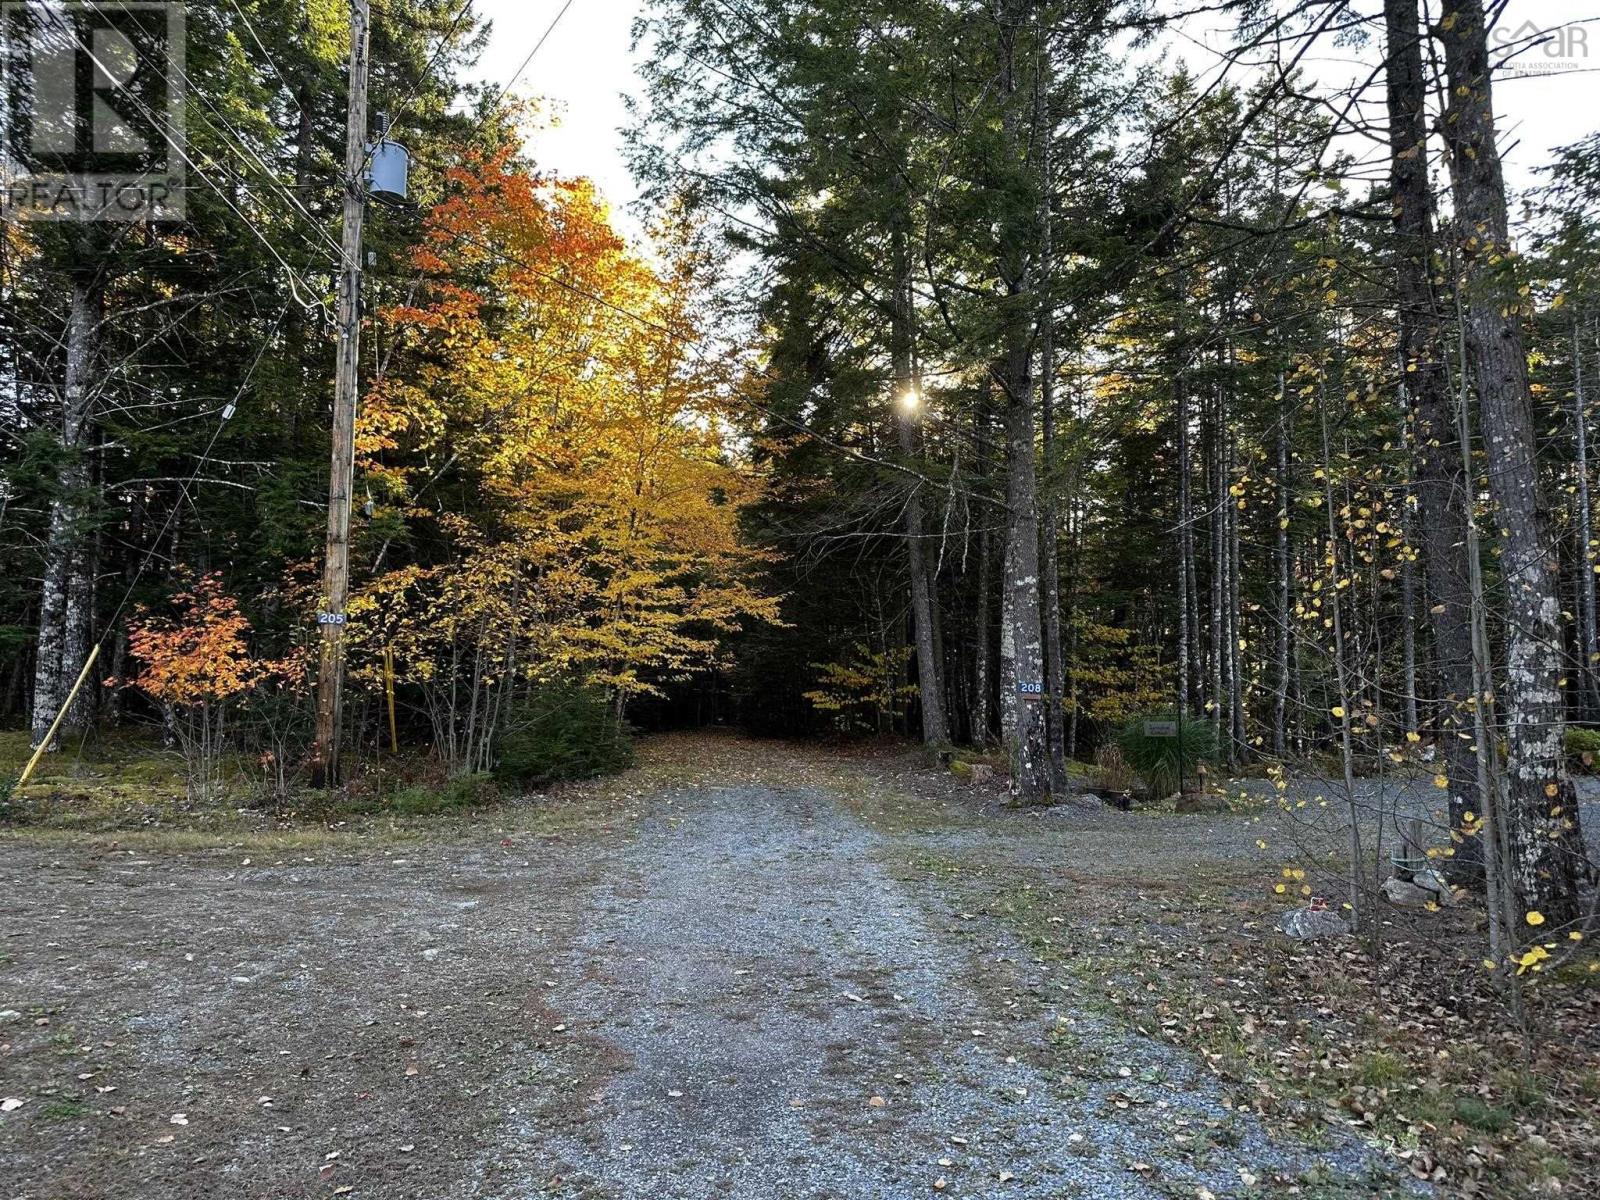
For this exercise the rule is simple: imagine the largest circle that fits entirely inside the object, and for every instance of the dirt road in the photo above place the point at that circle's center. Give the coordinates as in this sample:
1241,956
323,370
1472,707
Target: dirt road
719,983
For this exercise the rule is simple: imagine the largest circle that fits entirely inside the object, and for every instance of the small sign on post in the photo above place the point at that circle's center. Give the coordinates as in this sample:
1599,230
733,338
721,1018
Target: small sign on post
1030,690
1161,729
330,618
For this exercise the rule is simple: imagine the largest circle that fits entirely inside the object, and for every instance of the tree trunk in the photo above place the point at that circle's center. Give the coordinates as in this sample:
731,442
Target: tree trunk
1441,487
63,615
1280,698
1541,814
983,647
1235,617
1024,632
1586,555
1217,703
1050,546
930,677
1346,706
1025,735
1180,397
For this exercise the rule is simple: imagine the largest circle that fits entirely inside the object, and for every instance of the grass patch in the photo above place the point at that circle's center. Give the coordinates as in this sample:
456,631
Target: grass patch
1413,1050
1470,1110
64,1110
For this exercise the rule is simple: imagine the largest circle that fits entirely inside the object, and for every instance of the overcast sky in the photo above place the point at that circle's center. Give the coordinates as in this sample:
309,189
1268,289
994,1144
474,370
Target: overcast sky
585,66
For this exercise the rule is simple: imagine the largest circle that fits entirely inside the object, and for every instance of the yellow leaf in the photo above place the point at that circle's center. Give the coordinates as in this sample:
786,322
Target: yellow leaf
1535,918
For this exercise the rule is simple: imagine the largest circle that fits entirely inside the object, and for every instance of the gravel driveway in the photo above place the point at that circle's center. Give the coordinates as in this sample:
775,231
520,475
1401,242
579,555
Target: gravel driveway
732,996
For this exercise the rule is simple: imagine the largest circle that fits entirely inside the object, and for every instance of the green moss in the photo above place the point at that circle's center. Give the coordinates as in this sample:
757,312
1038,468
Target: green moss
1583,747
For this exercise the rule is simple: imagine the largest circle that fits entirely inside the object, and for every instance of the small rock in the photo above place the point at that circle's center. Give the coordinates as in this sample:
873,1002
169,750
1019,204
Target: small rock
981,774
9,1015
1307,924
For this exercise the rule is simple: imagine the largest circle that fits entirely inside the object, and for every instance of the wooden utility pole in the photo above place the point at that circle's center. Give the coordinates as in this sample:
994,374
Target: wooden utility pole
336,570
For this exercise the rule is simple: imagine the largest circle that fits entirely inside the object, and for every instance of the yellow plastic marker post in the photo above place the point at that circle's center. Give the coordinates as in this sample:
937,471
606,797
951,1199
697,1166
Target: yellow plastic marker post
49,738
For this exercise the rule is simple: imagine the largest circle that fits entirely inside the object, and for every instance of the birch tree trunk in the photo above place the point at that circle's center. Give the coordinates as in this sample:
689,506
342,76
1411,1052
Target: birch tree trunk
1541,815
1440,482
63,595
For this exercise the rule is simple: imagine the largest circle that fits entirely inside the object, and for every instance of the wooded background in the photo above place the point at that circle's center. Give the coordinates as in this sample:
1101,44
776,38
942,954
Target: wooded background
975,353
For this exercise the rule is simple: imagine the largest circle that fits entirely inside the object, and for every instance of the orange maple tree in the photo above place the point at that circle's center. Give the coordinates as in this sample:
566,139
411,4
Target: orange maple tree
194,660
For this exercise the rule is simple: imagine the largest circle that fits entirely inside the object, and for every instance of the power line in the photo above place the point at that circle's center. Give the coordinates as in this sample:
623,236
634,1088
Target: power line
537,46
444,44
228,411
166,132
229,133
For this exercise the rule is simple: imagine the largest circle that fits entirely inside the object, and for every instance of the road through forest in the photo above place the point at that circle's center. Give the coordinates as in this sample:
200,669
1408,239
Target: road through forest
736,981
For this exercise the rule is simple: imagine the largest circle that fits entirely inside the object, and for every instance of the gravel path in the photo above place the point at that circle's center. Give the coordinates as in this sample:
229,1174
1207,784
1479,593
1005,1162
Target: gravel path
796,1024
716,977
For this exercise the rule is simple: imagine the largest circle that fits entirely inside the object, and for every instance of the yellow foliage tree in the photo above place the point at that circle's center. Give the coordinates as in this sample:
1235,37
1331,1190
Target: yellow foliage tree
550,381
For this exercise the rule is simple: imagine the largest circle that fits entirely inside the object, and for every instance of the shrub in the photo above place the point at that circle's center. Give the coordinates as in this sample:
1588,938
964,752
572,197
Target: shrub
425,800
1112,774
1157,759
566,731
196,664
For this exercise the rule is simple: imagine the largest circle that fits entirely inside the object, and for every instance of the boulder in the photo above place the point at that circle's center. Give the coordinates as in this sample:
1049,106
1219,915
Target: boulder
1443,890
1201,802
1307,924
1407,895
1432,881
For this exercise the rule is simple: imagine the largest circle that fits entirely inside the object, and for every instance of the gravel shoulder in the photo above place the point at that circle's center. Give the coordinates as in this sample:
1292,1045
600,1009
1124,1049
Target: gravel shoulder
734,982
